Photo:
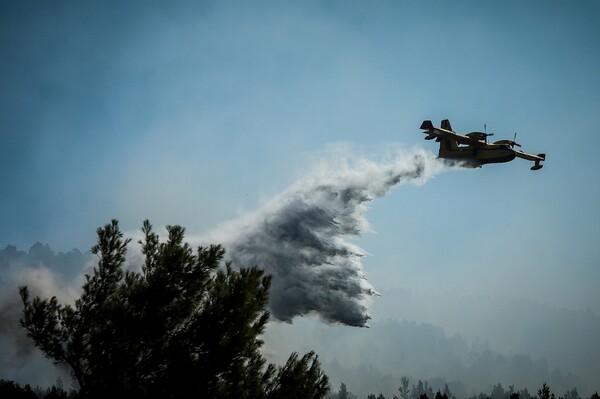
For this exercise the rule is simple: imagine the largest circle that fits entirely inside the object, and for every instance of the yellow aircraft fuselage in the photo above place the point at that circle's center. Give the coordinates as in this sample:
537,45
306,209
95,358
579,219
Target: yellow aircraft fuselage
481,154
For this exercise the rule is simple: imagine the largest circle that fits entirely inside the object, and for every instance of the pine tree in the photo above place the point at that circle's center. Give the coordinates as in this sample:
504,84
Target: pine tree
300,378
544,392
185,326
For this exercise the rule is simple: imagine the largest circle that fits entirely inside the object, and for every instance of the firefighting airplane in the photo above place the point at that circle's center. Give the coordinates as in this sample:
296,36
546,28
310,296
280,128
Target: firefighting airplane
473,148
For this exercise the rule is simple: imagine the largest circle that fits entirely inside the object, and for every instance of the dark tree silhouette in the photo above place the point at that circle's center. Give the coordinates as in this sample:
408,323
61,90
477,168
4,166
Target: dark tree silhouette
299,378
10,389
421,390
447,392
572,394
185,326
343,392
498,392
544,392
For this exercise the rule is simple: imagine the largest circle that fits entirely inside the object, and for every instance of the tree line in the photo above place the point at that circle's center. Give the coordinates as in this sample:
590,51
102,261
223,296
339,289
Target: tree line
422,390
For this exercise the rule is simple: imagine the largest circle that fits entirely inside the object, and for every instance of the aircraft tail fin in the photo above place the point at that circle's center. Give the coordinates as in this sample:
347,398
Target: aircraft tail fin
426,125
446,125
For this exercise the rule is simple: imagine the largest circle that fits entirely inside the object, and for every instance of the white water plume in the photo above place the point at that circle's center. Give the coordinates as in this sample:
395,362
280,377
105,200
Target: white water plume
301,237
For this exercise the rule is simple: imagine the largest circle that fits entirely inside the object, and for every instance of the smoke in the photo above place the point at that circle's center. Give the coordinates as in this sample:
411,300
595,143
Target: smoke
18,358
302,236
43,282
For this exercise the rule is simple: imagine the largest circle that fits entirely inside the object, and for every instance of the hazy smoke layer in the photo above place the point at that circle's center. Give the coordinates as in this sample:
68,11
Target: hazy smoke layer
301,237
19,360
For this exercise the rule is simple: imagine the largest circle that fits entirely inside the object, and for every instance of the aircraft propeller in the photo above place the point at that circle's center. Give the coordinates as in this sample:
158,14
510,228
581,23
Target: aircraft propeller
512,143
485,133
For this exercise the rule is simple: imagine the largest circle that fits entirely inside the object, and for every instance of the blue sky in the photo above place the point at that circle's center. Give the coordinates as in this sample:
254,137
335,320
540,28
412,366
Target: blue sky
193,113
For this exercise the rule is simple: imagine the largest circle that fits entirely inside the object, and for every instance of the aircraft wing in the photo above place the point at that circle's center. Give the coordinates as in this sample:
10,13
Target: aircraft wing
446,132
531,157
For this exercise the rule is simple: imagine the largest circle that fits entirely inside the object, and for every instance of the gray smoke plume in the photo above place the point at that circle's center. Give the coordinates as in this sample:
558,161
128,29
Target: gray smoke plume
19,360
301,237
